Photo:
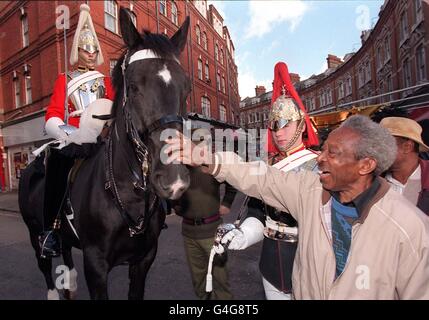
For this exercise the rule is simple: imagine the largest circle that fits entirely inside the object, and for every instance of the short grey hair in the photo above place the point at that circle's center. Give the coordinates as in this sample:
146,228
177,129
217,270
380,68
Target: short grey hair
375,142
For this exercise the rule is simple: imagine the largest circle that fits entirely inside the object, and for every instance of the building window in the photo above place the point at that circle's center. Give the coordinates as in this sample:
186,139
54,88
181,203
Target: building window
387,49
204,39
28,95
163,7
205,106
421,63
222,113
329,96
418,10
24,25
218,81
200,69
379,58
198,34
340,90
223,85
221,56
361,77
174,18
404,26
216,52
349,89
17,89
406,74
367,72
112,65
207,71
111,16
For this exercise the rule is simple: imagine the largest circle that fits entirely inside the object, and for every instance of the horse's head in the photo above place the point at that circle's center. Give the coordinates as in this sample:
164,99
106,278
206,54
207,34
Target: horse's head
152,87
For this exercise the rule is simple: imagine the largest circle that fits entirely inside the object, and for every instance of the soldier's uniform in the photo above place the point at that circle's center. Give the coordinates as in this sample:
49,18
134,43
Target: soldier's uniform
84,86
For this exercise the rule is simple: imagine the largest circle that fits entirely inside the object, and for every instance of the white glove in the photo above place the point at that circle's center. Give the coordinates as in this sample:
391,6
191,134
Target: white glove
250,232
53,130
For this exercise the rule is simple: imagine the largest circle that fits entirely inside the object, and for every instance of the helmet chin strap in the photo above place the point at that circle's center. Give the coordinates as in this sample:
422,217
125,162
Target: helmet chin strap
295,137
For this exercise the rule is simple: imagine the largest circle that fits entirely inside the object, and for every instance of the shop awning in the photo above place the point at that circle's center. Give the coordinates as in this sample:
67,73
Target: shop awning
335,118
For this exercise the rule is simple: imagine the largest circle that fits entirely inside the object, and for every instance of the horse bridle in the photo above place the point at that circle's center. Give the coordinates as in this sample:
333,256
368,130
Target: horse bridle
140,149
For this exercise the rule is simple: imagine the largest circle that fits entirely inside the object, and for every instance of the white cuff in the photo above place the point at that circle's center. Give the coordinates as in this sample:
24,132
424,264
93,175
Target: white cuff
253,230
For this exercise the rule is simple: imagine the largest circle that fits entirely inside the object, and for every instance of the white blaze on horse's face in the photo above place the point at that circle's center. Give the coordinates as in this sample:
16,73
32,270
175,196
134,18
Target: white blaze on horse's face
165,75
177,188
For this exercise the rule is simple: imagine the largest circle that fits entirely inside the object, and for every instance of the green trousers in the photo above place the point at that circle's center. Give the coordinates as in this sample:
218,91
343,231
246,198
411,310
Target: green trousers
198,254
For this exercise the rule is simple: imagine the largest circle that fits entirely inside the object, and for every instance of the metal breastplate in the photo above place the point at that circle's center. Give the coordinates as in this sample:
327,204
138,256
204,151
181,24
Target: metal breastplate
87,92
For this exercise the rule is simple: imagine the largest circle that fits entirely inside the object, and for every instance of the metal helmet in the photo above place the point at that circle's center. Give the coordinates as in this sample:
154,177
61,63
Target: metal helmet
87,40
283,111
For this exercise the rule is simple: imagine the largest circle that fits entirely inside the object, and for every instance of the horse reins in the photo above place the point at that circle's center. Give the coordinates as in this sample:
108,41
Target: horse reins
140,150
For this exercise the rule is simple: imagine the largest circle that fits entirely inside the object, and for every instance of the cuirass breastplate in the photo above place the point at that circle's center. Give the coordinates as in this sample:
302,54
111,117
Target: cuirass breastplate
87,92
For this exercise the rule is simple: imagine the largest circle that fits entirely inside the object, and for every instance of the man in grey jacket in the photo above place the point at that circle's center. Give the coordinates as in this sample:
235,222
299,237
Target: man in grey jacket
358,238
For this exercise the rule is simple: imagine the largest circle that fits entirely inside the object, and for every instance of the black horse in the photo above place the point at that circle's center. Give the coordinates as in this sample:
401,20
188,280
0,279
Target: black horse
116,192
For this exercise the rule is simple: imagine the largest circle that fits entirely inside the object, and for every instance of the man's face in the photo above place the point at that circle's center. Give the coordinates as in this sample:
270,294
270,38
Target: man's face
87,59
338,166
283,136
402,155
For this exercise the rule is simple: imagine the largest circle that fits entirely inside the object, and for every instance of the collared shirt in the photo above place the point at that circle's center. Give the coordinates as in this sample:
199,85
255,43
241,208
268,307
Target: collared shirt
411,189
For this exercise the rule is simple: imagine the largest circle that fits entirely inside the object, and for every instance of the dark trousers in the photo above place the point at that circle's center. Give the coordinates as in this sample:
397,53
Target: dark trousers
197,254
57,169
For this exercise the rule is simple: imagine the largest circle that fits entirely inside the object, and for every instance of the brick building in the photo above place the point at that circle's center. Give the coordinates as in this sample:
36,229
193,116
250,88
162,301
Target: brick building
391,67
32,55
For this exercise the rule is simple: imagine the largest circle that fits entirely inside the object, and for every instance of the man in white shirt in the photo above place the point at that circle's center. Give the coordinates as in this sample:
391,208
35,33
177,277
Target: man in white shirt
409,175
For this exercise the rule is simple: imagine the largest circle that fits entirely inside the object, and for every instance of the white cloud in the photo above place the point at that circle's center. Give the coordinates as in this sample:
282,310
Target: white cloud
264,16
247,83
272,46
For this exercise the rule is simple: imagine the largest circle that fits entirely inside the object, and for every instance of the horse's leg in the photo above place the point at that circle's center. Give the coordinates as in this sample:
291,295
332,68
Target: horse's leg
139,270
96,270
71,292
45,265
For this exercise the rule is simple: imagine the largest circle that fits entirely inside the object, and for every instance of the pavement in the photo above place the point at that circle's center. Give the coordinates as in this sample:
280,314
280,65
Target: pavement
9,201
168,278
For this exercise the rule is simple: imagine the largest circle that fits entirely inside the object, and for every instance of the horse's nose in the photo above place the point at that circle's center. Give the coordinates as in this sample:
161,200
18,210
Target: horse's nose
172,190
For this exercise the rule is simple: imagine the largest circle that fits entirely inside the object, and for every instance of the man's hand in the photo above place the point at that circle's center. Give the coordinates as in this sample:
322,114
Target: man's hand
223,210
181,149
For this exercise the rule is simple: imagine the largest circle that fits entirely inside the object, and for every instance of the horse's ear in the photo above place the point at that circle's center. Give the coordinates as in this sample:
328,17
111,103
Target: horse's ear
129,33
179,38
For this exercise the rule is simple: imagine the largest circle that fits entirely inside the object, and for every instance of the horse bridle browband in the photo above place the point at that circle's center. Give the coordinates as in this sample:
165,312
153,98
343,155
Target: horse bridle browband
140,148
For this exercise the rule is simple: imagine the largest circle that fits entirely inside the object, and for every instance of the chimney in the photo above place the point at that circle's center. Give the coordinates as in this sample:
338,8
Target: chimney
260,90
333,61
294,77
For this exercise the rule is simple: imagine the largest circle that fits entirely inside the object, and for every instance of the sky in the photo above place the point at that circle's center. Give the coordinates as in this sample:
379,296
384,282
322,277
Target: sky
300,33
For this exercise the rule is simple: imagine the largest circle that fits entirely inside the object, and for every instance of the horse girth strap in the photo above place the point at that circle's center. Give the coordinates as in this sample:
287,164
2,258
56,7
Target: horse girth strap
134,227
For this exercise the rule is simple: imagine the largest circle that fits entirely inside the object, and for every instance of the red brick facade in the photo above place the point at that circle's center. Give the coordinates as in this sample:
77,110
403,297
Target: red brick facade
42,60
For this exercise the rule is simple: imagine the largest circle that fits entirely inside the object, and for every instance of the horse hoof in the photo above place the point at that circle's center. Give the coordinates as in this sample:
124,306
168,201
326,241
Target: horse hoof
70,295
53,295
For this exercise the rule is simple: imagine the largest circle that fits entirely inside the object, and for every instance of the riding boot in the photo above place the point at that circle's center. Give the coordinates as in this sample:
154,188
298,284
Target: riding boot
57,169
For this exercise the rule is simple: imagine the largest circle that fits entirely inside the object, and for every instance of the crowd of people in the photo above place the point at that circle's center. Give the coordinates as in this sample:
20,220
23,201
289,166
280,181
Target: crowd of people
348,222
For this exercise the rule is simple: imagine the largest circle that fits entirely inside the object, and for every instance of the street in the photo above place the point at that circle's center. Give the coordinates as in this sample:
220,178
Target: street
168,278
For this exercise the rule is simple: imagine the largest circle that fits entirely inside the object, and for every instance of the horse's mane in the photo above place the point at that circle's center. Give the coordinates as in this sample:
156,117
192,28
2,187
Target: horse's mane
158,43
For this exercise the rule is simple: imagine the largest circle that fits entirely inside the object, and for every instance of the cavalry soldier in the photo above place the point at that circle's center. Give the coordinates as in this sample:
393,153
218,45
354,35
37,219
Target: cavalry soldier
84,88
290,132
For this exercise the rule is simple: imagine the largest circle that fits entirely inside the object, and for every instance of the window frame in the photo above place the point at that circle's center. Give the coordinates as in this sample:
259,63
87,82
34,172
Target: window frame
162,3
28,92
111,5
200,69
206,106
25,31
17,92
174,14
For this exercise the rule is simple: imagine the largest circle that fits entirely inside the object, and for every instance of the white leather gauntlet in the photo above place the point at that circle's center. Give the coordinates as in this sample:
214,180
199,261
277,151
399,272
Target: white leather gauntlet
250,232
53,130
